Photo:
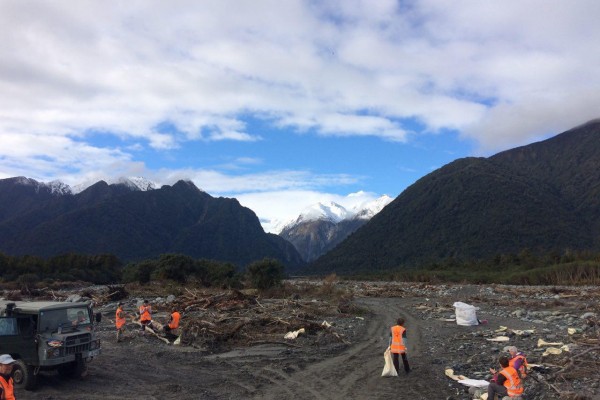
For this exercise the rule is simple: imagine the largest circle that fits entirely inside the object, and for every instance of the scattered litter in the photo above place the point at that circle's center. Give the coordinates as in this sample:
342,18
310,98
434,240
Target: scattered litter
501,329
499,339
519,332
293,334
326,324
474,382
542,342
450,374
466,314
552,350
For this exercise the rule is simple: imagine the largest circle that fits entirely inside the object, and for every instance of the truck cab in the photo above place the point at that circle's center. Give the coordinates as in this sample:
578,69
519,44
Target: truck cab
44,335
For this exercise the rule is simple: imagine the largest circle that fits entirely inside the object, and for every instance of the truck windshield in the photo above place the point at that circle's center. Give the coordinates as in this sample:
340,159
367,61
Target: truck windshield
66,318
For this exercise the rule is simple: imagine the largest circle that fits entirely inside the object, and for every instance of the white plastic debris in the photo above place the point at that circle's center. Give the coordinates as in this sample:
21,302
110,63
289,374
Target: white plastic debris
326,324
294,334
542,342
499,339
466,314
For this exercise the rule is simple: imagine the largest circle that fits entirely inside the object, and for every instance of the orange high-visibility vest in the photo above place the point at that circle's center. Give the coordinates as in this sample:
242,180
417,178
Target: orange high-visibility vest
145,313
119,318
7,389
397,345
523,367
513,384
174,324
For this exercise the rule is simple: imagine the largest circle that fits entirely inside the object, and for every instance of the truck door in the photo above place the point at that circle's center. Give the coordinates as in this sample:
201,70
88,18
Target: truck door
17,337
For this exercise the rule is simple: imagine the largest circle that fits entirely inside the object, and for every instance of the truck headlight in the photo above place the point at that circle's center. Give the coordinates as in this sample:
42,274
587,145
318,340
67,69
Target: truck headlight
54,343
53,352
95,344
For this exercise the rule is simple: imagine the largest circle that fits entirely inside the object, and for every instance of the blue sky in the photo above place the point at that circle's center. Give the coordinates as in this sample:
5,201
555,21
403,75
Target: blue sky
282,104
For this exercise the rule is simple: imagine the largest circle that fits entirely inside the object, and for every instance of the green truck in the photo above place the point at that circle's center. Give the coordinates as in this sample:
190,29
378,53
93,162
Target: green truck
45,335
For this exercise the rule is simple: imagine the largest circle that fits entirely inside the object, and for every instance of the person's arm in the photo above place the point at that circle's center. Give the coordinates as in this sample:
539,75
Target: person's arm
518,363
500,379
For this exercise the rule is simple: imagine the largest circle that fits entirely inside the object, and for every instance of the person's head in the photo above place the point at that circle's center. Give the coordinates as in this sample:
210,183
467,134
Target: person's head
512,350
120,305
400,321
145,302
80,316
6,364
503,360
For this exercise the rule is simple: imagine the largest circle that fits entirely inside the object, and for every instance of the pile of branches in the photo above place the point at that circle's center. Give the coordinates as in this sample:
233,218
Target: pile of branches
232,318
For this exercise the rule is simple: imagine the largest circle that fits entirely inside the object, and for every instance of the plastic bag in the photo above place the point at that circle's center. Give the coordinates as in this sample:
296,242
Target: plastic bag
388,368
466,314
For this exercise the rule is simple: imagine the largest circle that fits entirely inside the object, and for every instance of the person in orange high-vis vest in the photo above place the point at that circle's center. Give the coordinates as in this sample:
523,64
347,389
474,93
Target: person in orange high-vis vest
120,321
173,322
517,361
398,345
508,382
145,315
6,380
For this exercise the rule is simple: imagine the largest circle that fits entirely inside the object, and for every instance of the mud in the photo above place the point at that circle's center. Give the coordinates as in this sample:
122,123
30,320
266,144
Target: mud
142,367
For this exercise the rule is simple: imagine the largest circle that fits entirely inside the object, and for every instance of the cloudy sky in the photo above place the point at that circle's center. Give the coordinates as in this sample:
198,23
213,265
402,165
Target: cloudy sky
285,103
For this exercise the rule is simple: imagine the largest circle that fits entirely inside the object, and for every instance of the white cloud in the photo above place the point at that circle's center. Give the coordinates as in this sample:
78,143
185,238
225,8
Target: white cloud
500,73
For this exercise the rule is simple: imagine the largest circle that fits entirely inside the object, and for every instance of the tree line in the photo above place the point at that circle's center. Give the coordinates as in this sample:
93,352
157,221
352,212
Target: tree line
108,269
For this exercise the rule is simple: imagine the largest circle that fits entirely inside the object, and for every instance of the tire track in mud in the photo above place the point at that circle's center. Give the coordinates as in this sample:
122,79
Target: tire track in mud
356,372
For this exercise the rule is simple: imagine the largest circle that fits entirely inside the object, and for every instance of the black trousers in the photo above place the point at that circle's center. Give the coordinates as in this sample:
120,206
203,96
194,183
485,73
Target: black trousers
396,360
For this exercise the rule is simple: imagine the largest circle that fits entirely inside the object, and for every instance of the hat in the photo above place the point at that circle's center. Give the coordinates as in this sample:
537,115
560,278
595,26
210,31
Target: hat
6,359
510,349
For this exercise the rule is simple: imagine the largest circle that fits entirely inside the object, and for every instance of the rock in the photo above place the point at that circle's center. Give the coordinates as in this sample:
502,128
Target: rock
588,315
171,298
73,298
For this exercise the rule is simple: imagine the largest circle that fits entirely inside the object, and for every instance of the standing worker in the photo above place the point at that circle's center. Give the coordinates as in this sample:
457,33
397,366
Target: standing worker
517,361
398,345
508,382
145,316
6,380
120,321
173,323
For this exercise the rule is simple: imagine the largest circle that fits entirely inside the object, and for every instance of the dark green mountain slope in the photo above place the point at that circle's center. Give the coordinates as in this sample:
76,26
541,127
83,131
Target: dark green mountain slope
136,225
542,197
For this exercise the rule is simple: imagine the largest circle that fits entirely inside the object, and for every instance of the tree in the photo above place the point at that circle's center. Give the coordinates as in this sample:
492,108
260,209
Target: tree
265,274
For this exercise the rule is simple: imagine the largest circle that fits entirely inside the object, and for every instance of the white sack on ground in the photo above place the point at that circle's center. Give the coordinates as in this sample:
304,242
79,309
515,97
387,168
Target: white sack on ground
474,382
388,368
466,314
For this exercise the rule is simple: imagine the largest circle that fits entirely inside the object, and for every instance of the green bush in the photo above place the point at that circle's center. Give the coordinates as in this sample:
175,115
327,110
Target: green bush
265,274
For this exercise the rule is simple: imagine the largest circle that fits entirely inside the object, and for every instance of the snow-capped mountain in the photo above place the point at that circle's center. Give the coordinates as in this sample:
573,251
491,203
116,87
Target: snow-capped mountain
133,182
369,209
320,227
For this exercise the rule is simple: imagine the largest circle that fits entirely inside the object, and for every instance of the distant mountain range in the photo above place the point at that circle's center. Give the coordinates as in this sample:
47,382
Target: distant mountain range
133,220
544,197
320,227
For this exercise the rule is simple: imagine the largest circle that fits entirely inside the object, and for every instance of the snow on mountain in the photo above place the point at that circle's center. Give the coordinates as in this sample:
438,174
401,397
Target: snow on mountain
333,212
138,183
58,187
330,212
369,209
55,187
133,182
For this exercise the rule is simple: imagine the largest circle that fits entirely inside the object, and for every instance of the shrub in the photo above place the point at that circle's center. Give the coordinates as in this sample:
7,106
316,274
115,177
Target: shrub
265,274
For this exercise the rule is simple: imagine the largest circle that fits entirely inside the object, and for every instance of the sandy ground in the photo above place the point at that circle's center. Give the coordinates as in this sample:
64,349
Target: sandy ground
145,368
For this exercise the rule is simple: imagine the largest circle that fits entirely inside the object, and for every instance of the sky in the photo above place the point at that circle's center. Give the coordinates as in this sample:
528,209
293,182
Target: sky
282,104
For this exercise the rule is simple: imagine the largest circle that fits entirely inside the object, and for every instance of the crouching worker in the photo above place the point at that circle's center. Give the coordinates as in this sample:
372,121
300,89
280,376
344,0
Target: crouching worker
173,323
518,361
507,381
398,345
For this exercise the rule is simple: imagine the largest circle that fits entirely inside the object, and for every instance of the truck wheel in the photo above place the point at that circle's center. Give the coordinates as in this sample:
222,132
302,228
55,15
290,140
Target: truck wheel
23,376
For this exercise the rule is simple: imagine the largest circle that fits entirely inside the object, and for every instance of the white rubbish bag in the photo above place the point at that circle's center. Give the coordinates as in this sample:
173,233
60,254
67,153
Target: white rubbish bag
466,314
388,368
